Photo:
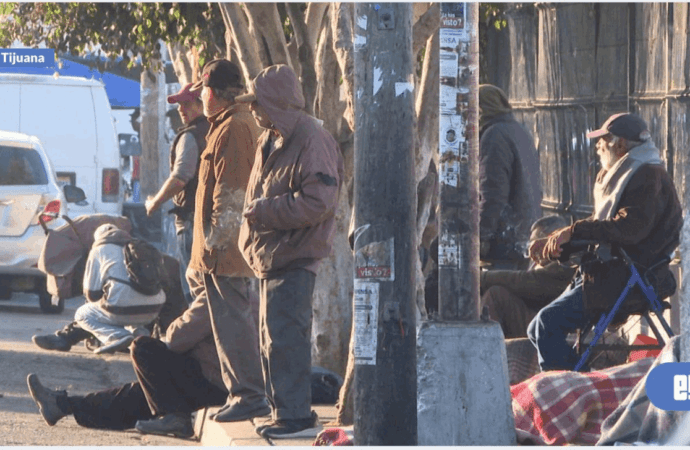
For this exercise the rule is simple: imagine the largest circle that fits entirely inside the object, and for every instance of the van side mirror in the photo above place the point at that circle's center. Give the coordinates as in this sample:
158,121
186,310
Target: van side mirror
73,194
129,144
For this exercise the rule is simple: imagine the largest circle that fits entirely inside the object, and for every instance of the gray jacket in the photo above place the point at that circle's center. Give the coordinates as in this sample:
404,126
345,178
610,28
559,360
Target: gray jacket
509,186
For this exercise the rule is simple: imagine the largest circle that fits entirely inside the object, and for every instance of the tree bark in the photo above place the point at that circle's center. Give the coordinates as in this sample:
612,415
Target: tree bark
305,54
244,43
267,29
185,62
427,25
341,21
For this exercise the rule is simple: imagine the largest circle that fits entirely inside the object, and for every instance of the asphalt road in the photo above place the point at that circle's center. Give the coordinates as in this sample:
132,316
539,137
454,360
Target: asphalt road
78,371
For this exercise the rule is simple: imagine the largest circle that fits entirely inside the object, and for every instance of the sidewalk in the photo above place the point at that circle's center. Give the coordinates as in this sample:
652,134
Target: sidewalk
242,433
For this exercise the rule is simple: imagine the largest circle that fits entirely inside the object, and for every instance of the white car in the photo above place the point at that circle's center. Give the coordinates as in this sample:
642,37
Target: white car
29,192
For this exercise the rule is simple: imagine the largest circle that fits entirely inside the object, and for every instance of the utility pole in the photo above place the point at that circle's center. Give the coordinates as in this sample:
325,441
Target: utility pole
385,382
464,397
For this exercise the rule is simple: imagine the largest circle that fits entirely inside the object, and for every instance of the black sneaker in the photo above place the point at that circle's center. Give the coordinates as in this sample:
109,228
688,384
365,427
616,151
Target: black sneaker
175,424
46,400
52,342
291,428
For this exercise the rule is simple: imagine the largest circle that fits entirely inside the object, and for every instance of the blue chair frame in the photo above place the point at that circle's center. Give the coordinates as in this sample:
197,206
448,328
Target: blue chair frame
655,306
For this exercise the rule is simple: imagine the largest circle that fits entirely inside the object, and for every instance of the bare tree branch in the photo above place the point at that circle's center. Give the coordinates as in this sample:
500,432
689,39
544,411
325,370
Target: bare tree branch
305,54
342,21
316,12
184,62
243,42
425,27
268,30
427,109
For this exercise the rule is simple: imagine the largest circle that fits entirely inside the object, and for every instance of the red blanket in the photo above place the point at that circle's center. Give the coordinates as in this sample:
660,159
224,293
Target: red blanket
563,407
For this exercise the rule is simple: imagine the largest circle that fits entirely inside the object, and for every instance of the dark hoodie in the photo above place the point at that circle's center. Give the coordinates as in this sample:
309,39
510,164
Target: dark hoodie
295,186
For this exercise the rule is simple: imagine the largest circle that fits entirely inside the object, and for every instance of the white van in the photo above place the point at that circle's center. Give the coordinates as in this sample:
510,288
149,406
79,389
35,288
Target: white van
72,118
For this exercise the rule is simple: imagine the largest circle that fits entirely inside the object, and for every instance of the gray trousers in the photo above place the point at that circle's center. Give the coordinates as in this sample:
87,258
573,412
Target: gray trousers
285,319
234,310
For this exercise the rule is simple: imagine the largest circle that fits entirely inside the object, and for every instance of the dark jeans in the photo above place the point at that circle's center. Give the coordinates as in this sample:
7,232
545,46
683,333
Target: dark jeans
285,322
168,382
549,329
184,247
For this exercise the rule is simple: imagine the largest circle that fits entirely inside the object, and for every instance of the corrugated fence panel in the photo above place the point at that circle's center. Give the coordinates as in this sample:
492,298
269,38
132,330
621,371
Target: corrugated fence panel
650,35
567,39
522,26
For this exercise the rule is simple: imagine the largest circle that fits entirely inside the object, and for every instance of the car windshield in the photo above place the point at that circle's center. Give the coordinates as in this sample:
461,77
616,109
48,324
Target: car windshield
21,167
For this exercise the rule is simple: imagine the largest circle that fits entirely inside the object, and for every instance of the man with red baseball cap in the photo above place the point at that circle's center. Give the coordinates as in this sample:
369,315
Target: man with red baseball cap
636,209
185,153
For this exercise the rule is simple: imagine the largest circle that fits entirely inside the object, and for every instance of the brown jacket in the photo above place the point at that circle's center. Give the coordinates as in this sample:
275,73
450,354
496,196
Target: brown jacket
297,189
646,225
192,332
223,174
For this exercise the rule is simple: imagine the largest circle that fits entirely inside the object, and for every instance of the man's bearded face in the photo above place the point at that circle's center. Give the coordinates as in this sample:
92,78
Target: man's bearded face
609,151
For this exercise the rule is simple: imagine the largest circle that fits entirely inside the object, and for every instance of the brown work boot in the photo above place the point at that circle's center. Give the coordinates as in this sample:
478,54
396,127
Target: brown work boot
46,399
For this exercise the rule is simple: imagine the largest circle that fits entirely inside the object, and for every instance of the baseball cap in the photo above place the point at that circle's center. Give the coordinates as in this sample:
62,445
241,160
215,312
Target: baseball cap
185,95
219,74
626,125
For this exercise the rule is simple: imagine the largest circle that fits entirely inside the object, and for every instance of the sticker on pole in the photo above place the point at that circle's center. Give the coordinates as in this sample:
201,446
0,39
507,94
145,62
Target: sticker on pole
449,252
366,308
374,261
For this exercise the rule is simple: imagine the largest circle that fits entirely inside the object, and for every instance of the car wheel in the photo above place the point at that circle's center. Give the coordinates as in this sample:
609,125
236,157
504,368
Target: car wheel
44,301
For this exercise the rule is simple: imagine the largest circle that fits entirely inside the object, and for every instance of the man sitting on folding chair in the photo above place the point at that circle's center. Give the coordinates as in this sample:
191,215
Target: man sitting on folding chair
636,208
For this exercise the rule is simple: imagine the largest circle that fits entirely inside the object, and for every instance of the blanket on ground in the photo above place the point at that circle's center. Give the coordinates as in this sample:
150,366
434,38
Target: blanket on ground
637,420
564,407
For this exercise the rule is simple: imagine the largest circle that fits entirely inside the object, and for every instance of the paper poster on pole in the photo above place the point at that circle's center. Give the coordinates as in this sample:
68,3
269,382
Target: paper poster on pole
366,308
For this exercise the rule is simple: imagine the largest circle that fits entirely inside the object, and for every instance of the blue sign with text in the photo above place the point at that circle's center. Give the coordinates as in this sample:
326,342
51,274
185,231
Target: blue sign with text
668,386
27,57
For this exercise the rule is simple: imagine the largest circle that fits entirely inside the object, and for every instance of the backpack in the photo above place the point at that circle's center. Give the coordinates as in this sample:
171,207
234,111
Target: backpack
144,263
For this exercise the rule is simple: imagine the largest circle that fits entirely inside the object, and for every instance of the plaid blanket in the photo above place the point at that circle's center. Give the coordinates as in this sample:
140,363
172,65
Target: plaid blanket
637,420
563,407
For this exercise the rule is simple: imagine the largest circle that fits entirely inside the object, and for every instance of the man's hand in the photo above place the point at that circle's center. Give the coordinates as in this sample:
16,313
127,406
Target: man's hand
151,206
249,212
536,250
553,247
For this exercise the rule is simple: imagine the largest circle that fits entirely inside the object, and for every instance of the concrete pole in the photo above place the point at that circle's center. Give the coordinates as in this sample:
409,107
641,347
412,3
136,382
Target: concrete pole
464,397
385,408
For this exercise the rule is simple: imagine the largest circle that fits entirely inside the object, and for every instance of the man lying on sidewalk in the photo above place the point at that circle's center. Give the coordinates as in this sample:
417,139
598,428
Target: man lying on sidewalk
175,377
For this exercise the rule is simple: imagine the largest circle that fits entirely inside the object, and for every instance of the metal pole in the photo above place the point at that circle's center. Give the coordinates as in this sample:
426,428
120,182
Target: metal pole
385,382
458,244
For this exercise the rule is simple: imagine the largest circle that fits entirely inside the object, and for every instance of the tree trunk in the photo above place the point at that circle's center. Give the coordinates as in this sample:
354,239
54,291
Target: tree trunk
305,54
243,42
267,29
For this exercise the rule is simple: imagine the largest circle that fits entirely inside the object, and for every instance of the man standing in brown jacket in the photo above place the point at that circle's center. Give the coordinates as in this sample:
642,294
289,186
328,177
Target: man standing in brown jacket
216,262
290,211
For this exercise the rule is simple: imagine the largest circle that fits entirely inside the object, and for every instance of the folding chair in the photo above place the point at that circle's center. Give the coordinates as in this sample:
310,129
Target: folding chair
654,305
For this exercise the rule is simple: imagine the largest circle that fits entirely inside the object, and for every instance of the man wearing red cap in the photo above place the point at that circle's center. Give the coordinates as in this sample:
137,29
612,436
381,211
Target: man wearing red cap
217,269
180,186
636,208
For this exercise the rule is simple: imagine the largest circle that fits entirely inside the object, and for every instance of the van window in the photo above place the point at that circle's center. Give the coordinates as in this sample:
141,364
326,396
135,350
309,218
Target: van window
24,167
63,118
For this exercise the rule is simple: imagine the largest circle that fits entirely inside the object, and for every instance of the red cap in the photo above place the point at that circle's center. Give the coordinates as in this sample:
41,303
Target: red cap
185,95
